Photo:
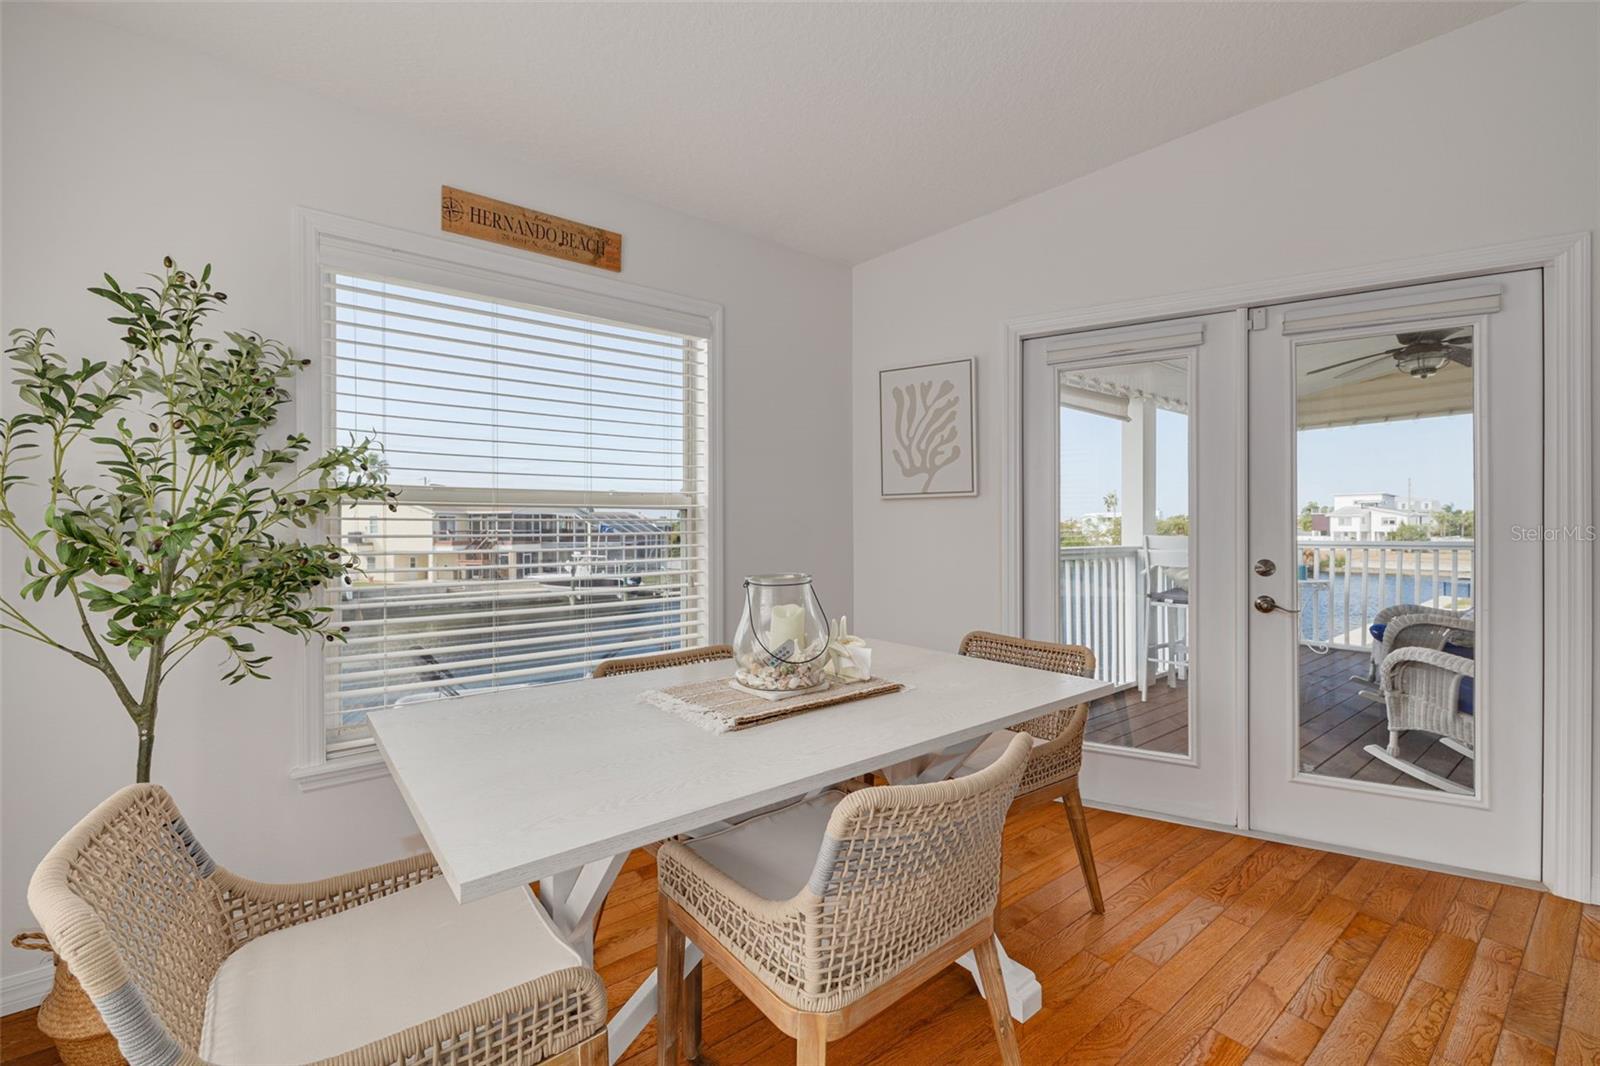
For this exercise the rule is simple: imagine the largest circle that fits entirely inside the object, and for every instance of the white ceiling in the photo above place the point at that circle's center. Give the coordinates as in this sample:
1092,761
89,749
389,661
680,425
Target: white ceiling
845,130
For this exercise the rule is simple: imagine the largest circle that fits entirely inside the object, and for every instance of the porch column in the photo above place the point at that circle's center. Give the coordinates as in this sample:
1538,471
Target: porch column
1138,493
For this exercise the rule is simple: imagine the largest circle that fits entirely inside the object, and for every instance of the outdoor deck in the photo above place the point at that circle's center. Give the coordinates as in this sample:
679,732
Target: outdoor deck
1336,724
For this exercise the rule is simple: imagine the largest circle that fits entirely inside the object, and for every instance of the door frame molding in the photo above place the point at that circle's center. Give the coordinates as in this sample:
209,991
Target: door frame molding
1569,624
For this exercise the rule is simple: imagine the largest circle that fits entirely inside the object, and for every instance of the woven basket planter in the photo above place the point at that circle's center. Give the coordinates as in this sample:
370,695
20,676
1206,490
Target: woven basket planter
69,1018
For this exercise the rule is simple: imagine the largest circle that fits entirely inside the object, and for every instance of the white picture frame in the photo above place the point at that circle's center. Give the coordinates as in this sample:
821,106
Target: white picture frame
928,430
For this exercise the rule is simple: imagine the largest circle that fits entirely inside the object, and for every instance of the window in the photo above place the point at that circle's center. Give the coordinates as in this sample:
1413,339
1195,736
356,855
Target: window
552,467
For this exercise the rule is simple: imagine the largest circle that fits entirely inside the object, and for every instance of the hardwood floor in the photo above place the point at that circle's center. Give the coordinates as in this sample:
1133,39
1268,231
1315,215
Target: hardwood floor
1336,724
1214,948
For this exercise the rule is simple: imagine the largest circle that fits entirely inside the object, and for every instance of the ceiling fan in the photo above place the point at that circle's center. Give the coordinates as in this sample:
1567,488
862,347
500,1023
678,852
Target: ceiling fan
1421,354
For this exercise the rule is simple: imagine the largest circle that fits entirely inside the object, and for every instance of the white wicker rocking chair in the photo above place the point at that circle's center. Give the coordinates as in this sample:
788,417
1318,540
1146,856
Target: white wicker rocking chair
1427,684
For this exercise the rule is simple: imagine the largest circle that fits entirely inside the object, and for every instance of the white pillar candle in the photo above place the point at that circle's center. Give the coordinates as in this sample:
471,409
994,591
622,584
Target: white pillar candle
788,623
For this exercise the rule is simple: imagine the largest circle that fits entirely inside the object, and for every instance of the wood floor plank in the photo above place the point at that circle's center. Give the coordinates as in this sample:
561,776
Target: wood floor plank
1386,976
1392,893
1354,1032
1432,899
1336,974
1512,917
1253,1013
1473,1030
1119,1030
20,1038
1582,1010
1415,1026
1173,981
1515,1049
1448,959
1355,885
1553,938
1214,1049
1589,934
1466,921
1577,1049
1079,1016
1171,913
1536,1007
1290,1040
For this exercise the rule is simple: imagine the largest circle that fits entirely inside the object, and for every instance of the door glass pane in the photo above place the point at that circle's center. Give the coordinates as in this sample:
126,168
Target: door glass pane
1124,570
1385,499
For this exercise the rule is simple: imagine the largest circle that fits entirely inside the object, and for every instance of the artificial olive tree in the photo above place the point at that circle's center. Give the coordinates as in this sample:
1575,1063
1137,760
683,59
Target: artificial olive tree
201,524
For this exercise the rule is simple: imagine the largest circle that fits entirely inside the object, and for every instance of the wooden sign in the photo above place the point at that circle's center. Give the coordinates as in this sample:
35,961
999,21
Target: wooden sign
477,216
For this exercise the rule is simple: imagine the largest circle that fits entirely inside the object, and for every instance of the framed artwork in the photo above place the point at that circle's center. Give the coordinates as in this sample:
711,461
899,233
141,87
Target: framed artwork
927,431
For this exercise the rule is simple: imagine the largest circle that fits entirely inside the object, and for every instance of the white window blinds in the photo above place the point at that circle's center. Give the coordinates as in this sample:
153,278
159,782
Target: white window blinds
553,512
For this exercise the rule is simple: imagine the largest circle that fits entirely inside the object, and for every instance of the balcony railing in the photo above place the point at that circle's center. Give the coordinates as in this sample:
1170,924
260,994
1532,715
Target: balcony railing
1100,608
1345,583
1343,586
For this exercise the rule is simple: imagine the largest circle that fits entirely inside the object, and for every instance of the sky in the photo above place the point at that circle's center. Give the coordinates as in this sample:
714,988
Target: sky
1433,453
1091,462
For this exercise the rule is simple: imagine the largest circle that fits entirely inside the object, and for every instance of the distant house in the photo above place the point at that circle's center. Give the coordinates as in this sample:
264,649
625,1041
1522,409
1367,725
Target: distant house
1419,506
1375,515
555,543
417,543
1365,522
390,546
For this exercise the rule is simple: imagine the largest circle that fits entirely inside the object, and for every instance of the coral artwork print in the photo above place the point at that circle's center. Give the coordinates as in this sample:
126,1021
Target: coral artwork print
926,430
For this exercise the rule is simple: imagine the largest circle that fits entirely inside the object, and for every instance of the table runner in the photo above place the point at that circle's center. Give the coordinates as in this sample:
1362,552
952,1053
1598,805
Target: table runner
718,707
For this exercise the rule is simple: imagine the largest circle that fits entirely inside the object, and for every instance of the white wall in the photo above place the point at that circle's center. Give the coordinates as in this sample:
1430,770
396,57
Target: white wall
1485,135
91,183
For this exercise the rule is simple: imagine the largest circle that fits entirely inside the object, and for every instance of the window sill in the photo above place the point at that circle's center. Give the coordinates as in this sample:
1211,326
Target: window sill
339,772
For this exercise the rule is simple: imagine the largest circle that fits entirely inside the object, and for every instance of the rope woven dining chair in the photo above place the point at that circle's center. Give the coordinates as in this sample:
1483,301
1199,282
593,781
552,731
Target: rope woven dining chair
825,913
191,964
1057,754
686,657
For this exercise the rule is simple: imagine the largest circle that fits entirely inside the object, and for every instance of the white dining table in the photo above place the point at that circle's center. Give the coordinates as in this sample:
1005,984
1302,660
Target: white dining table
558,784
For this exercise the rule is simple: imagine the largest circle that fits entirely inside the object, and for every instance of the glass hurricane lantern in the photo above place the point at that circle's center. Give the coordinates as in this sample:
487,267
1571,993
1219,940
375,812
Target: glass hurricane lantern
781,644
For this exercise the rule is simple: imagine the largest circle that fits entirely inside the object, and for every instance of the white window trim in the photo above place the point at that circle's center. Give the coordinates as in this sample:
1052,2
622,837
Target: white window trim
322,239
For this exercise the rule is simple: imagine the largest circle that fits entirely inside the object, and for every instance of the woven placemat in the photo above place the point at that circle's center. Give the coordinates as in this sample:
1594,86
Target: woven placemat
718,707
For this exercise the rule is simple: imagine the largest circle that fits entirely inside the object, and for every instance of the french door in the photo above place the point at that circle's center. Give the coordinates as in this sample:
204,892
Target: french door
1395,642
1132,482
1304,543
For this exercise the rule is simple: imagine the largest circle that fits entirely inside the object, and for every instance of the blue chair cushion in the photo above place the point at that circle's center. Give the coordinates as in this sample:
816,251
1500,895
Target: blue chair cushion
1464,696
1172,595
1376,629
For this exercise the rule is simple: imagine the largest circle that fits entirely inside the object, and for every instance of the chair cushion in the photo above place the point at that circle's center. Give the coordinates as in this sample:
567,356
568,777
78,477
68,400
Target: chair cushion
1465,696
994,745
772,855
1376,629
331,985
1172,595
